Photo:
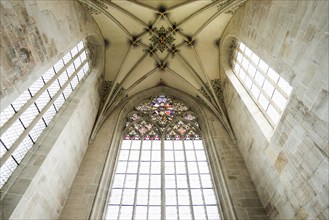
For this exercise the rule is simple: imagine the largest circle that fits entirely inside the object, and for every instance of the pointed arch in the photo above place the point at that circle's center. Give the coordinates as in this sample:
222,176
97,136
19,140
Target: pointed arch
127,108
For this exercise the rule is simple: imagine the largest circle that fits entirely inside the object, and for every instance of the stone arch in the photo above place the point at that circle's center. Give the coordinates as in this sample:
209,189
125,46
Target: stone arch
221,189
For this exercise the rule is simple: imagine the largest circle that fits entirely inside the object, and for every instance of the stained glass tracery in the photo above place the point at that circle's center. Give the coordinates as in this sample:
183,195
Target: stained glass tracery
162,170
160,111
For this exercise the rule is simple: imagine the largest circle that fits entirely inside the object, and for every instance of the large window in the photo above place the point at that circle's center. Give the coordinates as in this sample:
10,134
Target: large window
269,91
162,169
23,121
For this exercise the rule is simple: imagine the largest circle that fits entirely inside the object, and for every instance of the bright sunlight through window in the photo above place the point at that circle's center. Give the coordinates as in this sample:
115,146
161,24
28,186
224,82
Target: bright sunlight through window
162,170
23,121
269,91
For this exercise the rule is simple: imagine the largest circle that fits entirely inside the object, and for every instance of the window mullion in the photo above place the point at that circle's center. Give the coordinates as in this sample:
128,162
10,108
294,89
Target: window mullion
263,93
197,165
149,185
31,101
36,119
137,178
125,178
163,181
188,180
274,84
176,188
252,78
260,70
283,93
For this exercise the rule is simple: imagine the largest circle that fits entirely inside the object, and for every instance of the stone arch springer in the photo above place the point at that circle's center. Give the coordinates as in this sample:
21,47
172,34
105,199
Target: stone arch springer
220,184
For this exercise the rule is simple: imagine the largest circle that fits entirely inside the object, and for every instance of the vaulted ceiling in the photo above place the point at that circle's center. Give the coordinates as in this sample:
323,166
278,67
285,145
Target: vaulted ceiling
172,43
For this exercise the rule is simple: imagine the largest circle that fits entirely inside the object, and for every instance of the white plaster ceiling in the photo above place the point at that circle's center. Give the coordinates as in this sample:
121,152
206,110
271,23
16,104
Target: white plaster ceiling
188,63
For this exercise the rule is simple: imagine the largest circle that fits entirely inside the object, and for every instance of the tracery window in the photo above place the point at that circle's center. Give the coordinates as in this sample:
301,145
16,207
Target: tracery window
162,170
23,121
266,87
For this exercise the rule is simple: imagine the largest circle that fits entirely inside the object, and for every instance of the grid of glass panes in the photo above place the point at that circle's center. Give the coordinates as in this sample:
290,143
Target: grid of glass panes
269,91
23,121
186,188
136,189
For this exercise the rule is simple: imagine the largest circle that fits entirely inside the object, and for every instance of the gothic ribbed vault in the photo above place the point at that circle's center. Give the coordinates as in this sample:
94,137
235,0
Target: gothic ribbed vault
173,43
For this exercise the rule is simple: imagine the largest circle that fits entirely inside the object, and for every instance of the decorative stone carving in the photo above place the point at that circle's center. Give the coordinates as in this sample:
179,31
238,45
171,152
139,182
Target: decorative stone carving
162,39
162,114
92,10
106,89
24,55
232,50
232,10
216,85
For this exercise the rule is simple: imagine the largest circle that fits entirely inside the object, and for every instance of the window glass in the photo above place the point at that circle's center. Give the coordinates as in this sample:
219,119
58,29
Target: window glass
269,91
27,117
169,173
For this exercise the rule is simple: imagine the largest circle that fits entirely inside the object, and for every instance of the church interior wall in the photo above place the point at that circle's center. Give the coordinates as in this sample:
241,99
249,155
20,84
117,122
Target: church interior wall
34,36
284,169
245,199
93,180
289,165
47,30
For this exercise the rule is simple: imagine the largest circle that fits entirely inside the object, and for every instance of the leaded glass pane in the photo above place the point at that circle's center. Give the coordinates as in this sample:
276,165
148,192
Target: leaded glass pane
77,63
31,116
154,212
80,75
36,86
62,79
142,197
21,100
175,166
6,170
58,66
48,75
113,212
6,114
22,149
67,92
154,197
53,88
37,130
12,133
141,212
48,116
30,113
269,91
70,69
3,149
67,58
171,212
80,45
59,101
74,51
184,212
126,212
42,100
212,212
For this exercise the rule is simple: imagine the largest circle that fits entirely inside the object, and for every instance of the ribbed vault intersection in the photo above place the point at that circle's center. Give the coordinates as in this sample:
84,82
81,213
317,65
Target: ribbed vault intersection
151,43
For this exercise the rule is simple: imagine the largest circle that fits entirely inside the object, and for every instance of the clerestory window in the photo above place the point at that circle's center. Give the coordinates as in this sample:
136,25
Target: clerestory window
266,87
23,121
162,170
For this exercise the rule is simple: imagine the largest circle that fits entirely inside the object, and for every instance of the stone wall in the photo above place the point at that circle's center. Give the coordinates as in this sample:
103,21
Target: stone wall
87,181
290,167
47,30
34,36
245,199
40,190
90,188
